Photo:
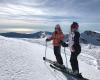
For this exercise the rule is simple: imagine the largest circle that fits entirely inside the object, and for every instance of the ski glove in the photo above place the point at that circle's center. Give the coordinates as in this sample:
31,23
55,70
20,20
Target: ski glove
47,39
63,44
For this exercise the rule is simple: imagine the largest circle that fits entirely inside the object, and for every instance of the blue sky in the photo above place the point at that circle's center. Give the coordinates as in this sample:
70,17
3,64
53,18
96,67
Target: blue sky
49,12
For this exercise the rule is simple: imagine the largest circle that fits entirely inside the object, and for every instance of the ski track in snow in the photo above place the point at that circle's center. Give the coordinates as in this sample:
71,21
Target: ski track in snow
22,60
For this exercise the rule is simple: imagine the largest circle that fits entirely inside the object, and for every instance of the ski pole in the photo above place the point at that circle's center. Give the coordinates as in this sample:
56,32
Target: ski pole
46,49
65,57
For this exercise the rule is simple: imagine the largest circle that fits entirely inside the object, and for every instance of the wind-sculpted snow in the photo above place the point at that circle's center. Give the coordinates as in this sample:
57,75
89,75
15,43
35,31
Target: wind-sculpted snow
22,60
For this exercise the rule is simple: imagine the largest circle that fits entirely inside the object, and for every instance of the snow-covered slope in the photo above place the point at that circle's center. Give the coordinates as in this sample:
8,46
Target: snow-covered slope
21,60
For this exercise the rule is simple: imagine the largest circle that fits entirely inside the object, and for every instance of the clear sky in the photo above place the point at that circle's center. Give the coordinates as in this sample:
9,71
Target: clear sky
26,14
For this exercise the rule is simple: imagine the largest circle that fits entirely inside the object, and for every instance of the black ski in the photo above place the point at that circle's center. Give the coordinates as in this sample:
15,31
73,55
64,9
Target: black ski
66,71
48,60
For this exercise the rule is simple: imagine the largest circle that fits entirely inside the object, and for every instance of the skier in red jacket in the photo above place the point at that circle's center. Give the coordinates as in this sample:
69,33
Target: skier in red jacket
57,36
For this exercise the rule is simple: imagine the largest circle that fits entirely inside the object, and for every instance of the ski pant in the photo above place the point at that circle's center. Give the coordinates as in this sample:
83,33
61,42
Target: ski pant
57,52
73,59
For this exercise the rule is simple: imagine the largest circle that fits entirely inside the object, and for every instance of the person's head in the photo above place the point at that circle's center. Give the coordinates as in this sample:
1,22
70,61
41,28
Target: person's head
58,28
74,26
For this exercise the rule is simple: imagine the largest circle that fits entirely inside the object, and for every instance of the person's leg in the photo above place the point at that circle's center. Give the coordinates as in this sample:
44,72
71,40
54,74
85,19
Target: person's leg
58,54
74,62
77,52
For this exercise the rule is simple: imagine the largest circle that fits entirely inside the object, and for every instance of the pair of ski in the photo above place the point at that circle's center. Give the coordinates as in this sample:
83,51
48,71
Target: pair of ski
64,69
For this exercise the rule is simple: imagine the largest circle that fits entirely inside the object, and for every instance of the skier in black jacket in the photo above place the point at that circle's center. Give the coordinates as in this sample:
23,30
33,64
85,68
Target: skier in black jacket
75,47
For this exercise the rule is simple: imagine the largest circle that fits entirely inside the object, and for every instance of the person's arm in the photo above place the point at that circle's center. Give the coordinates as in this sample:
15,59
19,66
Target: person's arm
76,40
50,38
62,42
62,36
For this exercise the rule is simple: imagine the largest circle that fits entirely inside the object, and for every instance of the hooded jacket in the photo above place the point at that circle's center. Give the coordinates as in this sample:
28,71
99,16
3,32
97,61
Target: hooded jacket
57,37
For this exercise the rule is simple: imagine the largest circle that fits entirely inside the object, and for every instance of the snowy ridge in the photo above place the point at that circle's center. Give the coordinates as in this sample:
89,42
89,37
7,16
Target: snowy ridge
91,37
22,60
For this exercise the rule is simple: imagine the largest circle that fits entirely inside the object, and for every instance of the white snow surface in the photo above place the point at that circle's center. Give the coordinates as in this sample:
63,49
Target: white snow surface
22,60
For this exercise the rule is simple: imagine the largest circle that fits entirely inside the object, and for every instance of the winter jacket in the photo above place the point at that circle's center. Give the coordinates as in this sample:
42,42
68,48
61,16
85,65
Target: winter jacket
57,37
74,42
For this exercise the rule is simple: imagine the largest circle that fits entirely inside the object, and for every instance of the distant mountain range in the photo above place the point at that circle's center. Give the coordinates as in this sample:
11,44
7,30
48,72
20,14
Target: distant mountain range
40,34
91,37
